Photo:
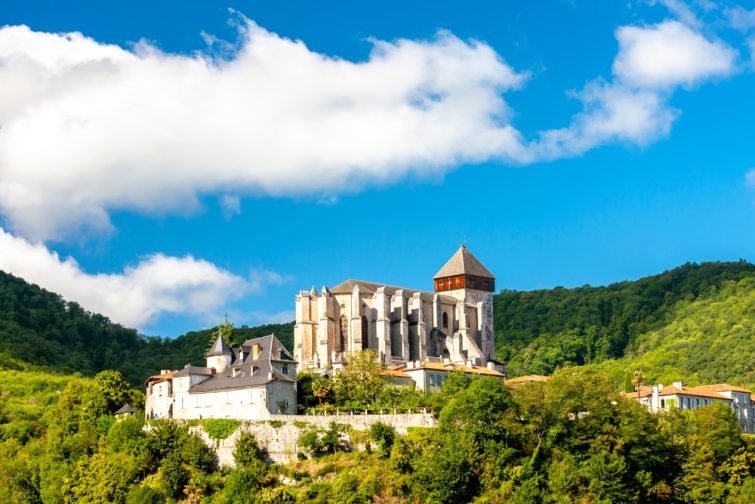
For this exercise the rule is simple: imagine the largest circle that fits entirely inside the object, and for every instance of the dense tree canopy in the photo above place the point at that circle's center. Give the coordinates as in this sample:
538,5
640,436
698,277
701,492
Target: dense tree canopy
40,330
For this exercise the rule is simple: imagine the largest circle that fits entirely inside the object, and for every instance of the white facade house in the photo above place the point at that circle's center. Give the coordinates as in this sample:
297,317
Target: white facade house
250,382
679,396
430,376
454,323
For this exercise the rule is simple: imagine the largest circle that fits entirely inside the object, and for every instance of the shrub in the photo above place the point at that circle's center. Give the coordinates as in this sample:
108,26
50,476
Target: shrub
196,453
145,495
174,476
220,428
383,435
247,451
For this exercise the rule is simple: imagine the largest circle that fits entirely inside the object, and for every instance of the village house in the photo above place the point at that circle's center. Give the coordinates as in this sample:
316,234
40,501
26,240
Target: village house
679,396
250,382
430,376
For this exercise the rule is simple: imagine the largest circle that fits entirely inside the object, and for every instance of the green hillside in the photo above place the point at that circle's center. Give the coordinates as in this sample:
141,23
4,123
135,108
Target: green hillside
677,316
709,340
40,330
665,325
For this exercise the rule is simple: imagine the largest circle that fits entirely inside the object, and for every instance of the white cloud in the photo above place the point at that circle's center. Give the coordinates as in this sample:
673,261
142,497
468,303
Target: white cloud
633,107
741,18
261,278
261,317
136,297
230,205
611,112
750,178
669,54
89,127
682,11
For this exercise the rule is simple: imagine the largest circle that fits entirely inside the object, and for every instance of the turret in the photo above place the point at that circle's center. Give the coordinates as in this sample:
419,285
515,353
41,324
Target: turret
220,355
464,271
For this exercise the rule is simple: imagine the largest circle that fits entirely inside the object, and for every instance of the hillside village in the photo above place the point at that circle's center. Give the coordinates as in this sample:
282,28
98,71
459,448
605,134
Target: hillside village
246,421
419,338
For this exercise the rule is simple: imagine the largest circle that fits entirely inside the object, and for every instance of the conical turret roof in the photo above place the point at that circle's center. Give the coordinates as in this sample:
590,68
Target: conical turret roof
219,348
463,263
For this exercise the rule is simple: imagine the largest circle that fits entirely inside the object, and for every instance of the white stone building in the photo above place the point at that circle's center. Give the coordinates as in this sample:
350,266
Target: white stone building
679,396
430,376
246,383
453,324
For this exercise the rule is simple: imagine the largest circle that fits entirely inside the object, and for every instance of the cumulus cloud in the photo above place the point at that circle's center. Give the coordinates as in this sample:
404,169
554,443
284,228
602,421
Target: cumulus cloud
136,297
669,54
87,128
652,62
90,127
750,178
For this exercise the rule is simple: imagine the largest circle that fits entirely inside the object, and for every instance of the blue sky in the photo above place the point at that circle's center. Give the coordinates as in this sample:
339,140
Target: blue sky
181,160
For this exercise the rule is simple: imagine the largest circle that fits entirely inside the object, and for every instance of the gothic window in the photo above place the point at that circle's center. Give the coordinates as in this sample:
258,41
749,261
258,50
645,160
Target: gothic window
344,334
445,320
365,333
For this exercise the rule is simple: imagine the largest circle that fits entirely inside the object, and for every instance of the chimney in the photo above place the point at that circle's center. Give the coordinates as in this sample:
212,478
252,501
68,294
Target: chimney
256,350
679,385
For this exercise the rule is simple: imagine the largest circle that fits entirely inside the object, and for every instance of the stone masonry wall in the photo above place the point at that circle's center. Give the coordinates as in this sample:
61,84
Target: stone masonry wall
280,434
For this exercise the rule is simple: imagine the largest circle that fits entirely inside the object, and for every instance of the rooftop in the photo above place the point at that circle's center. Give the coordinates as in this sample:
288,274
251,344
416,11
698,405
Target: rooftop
463,262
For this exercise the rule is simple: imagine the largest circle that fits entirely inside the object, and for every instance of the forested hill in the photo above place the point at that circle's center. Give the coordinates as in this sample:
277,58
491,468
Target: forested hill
40,329
678,315
664,324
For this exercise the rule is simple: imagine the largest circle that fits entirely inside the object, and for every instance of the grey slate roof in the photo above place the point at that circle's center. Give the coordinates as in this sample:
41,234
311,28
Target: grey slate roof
126,408
347,287
463,263
250,372
220,347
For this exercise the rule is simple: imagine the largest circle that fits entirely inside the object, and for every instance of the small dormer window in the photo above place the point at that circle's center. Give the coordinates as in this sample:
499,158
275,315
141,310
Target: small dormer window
285,369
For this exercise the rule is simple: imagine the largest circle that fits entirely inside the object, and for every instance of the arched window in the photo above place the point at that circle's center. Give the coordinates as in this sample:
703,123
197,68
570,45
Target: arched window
344,333
365,333
445,320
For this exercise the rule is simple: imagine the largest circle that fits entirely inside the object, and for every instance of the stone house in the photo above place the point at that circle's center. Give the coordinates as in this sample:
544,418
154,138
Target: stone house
430,376
679,396
250,382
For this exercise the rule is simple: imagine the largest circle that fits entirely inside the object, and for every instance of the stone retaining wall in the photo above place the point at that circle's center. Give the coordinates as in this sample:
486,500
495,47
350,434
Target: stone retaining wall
279,435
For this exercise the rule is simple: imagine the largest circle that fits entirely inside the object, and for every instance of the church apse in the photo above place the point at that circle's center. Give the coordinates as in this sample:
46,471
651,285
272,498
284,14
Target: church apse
453,323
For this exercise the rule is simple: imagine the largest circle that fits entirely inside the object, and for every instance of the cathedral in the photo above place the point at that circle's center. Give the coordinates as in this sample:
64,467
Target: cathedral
454,324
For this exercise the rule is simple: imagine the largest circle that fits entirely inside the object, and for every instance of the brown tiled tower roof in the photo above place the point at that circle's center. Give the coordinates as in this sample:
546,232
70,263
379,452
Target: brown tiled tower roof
463,263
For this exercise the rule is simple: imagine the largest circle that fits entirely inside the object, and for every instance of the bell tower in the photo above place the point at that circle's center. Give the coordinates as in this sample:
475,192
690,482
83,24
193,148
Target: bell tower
472,284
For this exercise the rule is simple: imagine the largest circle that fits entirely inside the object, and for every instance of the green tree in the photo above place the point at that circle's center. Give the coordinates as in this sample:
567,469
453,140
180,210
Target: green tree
103,478
173,475
248,452
321,388
383,435
359,383
196,454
